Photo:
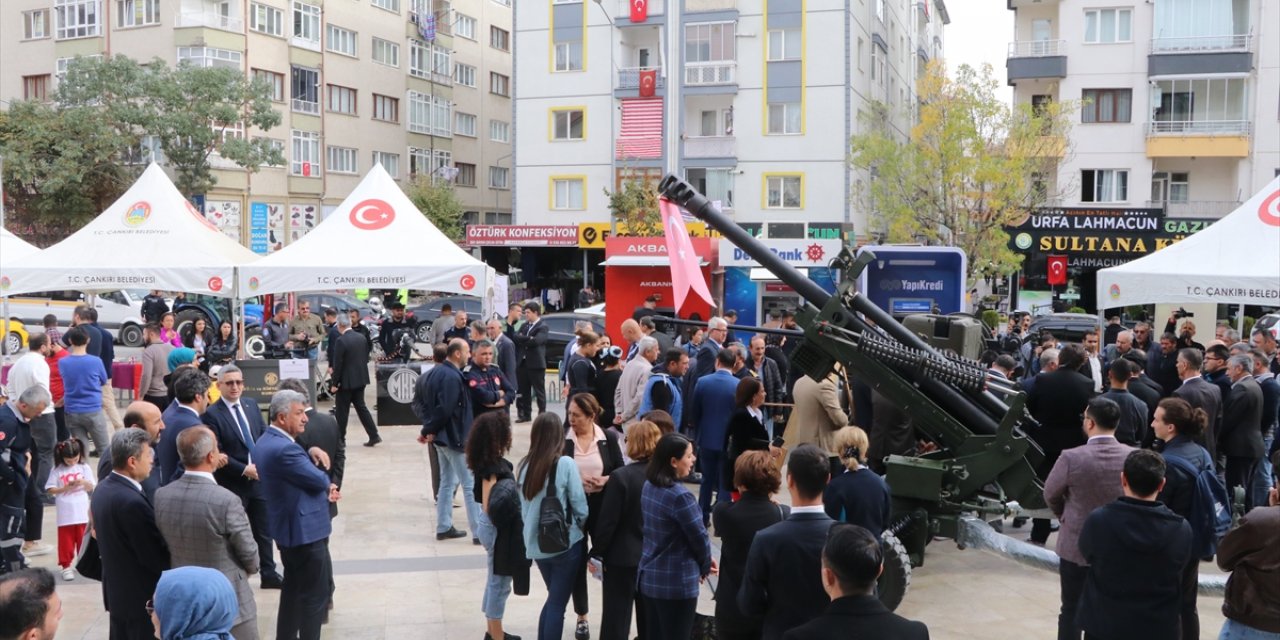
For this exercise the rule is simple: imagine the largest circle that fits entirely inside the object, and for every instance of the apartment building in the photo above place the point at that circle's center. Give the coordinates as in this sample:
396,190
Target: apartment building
482,109
358,83
753,101
1178,121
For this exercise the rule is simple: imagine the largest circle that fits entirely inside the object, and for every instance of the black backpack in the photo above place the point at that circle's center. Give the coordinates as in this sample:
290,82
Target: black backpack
553,518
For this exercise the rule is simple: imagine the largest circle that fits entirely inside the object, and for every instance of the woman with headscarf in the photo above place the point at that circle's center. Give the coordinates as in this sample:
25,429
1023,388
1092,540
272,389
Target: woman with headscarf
178,358
193,603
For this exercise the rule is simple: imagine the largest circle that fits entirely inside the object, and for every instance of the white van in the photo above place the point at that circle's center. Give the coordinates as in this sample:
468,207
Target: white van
118,311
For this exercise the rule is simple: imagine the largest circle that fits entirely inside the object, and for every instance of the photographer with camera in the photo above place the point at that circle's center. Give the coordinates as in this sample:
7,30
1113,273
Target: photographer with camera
275,333
1187,332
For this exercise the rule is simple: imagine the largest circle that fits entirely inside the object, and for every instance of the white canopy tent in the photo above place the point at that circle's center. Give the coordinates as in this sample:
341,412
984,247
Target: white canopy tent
13,248
1236,260
151,237
375,238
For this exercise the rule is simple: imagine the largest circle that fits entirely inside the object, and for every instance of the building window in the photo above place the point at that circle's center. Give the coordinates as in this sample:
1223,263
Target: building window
76,19
306,25
464,124
434,63
1103,26
499,39
785,44
709,42
306,153
498,177
465,27
466,175
499,84
861,44
386,108
1106,105
880,10
137,13
273,80
878,74
432,115
343,160
342,100
386,52
783,191
209,57
784,118
389,5
568,124
341,40
35,24
305,87
1104,185
389,161
266,19
499,131
1179,187
61,64
567,194
35,87
568,56
465,75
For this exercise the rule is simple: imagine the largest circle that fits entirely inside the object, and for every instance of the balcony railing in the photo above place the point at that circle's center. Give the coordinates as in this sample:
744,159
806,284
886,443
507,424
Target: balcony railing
703,73
306,106
1201,44
1200,127
1196,208
710,147
1037,48
629,77
209,19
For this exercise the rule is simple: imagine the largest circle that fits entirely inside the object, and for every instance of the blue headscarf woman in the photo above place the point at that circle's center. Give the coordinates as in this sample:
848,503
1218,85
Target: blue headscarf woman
194,603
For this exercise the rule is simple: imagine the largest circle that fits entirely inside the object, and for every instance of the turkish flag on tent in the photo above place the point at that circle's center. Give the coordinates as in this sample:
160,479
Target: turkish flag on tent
639,10
648,81
686,270
1057,270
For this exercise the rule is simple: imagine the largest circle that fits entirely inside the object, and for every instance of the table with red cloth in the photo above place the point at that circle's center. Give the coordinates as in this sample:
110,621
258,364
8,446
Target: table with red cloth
127,376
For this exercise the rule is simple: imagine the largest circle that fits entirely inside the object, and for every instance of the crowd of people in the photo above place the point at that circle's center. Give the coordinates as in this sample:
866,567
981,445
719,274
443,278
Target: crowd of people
195,490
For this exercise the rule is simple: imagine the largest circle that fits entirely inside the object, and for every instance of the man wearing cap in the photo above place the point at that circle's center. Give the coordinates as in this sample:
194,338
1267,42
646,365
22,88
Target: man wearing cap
388,330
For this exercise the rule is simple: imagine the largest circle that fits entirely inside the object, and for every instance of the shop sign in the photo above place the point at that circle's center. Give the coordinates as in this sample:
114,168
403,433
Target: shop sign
797,253
1093,219
592,235
1103,249
512,235
650,247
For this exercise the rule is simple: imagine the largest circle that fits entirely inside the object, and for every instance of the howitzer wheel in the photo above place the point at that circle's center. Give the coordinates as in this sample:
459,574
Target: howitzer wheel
895,580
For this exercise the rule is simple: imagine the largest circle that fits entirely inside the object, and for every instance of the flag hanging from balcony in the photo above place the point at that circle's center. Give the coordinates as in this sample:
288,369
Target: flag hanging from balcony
641,134
686,269
427,26
648,82
639,10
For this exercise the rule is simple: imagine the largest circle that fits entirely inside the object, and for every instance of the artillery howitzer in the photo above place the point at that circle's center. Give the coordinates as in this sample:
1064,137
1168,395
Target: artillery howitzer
984,463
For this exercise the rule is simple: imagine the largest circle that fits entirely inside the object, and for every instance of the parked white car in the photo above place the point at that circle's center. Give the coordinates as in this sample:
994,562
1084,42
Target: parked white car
118,311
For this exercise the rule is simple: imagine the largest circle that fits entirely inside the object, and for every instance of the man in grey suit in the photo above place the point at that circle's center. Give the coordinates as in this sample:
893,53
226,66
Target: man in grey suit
1083,479
1201,394
205,525
1241,437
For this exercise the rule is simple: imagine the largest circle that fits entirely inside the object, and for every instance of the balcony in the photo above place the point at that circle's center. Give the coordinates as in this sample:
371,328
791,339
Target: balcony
629,77
710,73
1198,138
1036,59
211,19
306,106
710,147
1195,208
1187,55
623,12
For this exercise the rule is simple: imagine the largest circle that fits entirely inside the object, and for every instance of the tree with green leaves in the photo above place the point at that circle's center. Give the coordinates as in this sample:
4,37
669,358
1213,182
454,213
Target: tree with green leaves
437,201
635,209
968,168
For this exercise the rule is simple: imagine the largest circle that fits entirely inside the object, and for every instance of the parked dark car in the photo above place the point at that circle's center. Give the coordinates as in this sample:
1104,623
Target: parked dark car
427,312
1065,327
561,326
323,301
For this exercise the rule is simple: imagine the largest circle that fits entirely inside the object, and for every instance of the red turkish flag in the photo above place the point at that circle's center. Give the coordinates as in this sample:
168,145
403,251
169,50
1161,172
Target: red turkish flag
1057,270
648,82
686,272
639,10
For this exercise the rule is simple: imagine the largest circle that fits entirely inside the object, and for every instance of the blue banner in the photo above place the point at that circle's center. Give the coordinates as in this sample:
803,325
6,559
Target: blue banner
258,228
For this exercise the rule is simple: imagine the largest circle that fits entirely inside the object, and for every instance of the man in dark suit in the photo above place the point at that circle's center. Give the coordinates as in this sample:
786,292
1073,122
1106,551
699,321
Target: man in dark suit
299,523
1162,364
191,398
350,377
504,351
133,551
783,579
1057,401
703,362
531,340
237,422
711,407
852,560
146,416
1201,395
1215,368
1241,435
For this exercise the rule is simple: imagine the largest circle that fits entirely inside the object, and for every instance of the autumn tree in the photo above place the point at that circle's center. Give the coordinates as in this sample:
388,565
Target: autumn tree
437,201
970,166
635,209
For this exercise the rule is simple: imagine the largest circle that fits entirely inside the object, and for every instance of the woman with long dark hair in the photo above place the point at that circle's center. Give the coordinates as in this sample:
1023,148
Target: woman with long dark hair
676,553
223,348
500,527
198,335
746,430
597,454
545,471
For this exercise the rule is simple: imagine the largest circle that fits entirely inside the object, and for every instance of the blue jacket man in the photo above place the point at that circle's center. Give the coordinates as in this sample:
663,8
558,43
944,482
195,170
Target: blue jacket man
191,398
299,493
664,390
490,388
443,399
710,408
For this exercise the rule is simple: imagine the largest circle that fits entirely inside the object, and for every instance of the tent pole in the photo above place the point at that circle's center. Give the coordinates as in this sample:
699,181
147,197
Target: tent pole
1240,323
239,304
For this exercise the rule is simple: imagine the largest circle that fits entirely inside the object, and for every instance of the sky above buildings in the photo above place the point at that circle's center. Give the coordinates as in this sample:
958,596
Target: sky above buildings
980,32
